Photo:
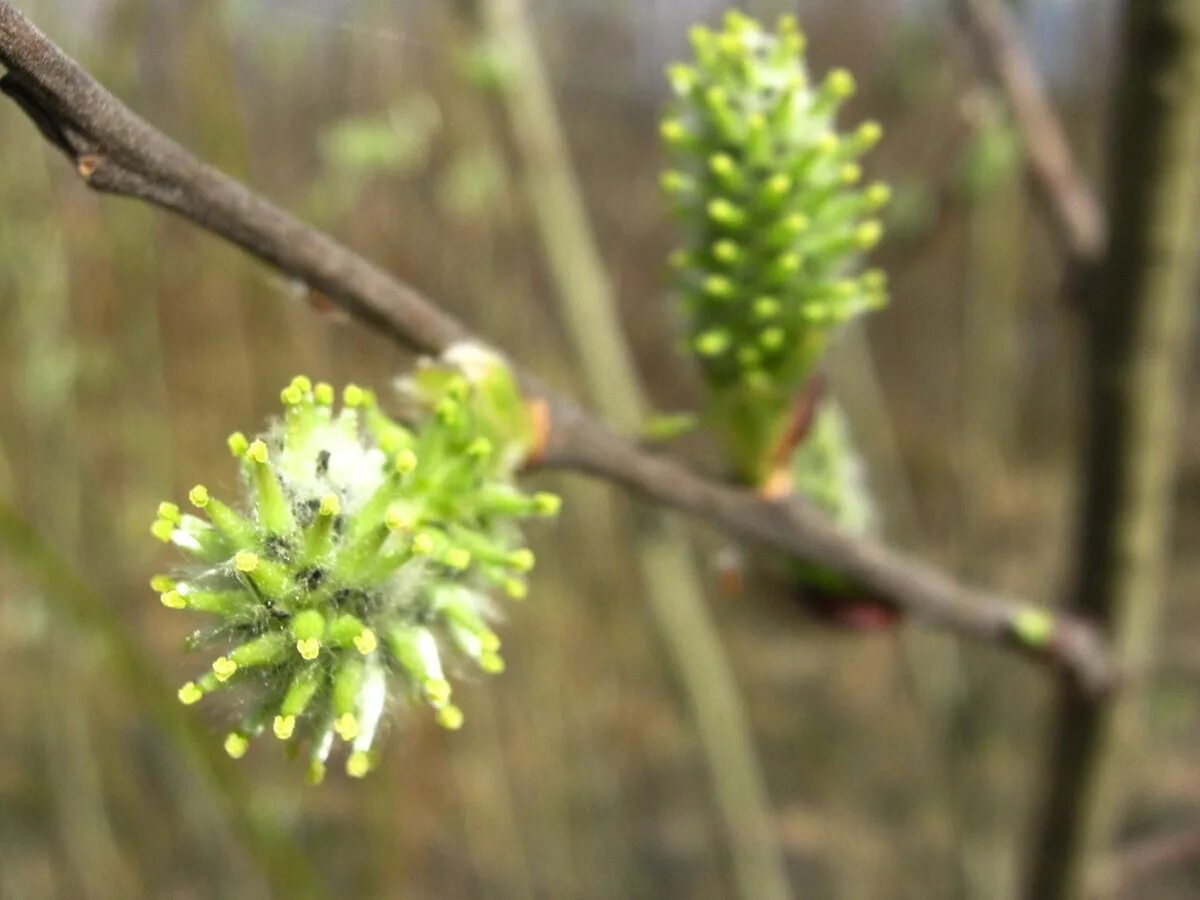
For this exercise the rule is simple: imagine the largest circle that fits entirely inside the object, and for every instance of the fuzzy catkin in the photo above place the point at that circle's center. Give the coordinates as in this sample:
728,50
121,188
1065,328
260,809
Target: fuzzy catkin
775,222
363,561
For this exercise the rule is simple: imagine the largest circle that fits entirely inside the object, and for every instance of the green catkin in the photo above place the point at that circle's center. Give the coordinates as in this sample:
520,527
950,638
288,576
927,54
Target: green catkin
329,591
775,223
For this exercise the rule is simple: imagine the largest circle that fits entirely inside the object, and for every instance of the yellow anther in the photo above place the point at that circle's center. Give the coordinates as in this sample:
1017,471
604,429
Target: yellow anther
238,444
309,648
352,395
323,394
457,558
173,600
331,505
522,560
236,745
161,583
190,693
258,452
450,718
198,496
284,727
245,561
359,764
437,691
224,667
398,518
366,642
347,727
489,641
406,461
168,511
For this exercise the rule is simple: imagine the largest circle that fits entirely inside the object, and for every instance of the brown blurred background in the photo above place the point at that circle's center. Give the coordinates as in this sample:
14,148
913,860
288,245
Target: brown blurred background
898,765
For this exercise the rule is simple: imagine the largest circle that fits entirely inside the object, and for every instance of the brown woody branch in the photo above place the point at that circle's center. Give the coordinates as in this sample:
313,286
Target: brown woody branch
117,152
1072,207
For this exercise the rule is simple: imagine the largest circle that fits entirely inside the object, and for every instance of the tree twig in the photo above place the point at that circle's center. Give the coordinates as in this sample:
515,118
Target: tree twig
1139,341
1075,214
117,152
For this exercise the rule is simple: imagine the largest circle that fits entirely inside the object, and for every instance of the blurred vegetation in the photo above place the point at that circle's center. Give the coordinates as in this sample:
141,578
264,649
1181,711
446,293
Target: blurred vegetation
900,764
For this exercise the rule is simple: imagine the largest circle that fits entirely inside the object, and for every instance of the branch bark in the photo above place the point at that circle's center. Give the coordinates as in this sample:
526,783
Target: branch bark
117,152
1139,344
1076,215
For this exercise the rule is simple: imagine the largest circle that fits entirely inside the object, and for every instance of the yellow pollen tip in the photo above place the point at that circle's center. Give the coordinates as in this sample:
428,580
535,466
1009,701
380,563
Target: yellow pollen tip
450,718
224,667
237,444
309,648
173,600
359,764
366,642
258,452
437,691
284,727
406,461
353,395
236,745
347,727
198,496
245,561
331,505
190,693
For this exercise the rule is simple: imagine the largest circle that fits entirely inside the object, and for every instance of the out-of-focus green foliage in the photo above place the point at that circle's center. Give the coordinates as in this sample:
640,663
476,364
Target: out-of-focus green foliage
357,149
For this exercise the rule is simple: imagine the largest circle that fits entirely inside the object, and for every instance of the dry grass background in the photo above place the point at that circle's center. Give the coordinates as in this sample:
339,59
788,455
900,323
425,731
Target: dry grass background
900,765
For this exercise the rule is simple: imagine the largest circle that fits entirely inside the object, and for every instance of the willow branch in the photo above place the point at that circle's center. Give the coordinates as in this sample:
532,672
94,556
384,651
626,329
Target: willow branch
116,152
1074,212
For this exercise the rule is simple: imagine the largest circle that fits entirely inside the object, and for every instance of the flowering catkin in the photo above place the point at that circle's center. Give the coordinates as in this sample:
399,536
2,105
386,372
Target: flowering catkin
361,565
775,222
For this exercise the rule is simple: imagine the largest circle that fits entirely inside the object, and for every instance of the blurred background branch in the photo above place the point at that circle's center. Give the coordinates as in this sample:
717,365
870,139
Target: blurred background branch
1139,327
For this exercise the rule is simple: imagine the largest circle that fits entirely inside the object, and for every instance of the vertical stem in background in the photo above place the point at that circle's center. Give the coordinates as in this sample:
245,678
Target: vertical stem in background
674,588
982,717
1139,342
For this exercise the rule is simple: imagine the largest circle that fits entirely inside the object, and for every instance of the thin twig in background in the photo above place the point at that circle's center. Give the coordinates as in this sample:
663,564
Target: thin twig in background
1075,214
672,583
1139,344
117,152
